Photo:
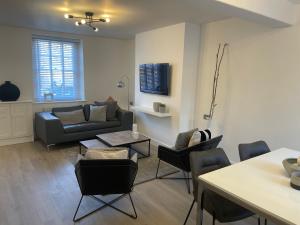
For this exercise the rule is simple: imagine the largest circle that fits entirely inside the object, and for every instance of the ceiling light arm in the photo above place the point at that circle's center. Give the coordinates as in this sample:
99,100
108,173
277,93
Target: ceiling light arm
88,20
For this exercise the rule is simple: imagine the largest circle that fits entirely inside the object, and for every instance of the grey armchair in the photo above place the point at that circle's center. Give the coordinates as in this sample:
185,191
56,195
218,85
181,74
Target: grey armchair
180,159
220,208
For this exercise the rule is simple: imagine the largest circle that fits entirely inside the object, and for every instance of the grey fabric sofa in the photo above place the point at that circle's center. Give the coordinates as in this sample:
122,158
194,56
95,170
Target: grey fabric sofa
51,131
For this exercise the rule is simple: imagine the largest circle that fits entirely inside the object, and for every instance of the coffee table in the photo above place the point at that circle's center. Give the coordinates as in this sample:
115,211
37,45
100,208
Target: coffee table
93,143
125,139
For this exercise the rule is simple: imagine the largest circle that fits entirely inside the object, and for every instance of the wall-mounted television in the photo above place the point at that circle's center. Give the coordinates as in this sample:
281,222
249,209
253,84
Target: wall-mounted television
155,78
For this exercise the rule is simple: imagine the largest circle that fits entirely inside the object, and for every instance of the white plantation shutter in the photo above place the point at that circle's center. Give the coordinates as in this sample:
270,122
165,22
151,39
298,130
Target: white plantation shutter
57,68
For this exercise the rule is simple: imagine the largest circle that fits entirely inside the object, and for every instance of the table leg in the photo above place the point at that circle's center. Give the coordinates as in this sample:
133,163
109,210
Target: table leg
149,147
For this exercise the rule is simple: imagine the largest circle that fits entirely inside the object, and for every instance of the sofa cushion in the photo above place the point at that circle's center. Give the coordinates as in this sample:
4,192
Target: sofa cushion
111,111
87,126
71,117
67,109
97,113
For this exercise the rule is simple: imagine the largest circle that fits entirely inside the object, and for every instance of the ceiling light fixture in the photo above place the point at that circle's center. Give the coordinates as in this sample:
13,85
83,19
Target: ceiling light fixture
87,20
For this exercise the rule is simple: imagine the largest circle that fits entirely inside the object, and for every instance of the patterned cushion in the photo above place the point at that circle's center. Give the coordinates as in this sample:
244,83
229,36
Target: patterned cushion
199,136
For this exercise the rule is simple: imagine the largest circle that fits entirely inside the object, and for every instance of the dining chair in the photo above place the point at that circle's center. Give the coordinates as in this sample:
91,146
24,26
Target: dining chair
219,207
250,150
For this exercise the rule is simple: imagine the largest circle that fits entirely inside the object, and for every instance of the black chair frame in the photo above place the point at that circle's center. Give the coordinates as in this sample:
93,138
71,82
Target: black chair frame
202,210
180,159
105,177
105,204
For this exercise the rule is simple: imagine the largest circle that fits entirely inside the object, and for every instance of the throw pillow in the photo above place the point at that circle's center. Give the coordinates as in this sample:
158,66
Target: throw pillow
199,136
111,111
72,117
182,140
97,113
107,153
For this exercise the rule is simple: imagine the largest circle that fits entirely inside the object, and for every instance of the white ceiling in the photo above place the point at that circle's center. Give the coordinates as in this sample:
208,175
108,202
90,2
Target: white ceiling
127,16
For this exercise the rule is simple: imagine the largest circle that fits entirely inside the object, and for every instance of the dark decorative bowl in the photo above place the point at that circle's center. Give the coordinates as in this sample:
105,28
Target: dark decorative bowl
291,165
295,180
9,92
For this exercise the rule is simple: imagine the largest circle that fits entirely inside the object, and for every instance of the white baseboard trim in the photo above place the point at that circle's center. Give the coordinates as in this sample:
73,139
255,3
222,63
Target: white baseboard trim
155,142
13,141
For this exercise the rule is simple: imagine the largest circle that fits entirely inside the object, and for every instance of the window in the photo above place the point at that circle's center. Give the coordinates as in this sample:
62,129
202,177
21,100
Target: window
57,68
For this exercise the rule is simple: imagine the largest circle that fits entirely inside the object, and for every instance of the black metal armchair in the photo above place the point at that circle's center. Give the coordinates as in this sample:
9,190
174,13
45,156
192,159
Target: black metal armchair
220,208
181,160
105,177
253,149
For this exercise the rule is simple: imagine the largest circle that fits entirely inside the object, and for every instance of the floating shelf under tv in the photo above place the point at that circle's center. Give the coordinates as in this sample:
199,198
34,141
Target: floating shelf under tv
150,111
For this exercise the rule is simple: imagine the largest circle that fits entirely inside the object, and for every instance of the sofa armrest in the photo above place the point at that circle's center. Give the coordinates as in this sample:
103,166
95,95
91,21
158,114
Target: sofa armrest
126,118
48,127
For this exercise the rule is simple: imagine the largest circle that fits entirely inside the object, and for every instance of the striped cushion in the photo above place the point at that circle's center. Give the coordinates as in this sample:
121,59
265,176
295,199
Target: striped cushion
199,136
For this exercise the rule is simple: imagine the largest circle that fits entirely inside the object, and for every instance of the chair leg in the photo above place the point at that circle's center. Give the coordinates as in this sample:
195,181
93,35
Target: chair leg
77,208
119,210
187,181
201,217
157,169
95,210
214,219
135,214
265,221
187,216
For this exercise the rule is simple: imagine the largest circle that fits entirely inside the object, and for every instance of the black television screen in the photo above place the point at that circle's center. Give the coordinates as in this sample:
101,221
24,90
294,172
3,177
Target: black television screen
155,78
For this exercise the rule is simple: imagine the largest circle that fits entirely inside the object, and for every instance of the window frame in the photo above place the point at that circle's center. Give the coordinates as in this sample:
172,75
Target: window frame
78,70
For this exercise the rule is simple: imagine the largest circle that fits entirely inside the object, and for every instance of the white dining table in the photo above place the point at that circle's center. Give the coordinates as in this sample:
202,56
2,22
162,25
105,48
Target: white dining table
260,184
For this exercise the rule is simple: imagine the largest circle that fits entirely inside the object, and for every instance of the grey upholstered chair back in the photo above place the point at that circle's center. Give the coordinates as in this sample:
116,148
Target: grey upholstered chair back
254,149
204,162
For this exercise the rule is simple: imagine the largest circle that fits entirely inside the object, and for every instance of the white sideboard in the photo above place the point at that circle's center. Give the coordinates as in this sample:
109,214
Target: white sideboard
16,122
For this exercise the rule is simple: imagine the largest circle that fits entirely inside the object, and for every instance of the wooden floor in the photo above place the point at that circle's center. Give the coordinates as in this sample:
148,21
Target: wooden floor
38,187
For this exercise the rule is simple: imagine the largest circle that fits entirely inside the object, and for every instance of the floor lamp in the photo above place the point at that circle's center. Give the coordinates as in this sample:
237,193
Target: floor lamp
122,84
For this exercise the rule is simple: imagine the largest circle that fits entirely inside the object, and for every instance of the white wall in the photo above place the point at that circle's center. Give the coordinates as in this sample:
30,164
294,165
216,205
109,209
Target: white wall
259,94
105,61
164,45
167,45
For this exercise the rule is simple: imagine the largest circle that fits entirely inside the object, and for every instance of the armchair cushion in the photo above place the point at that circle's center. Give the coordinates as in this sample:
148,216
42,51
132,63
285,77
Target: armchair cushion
182,140
108,153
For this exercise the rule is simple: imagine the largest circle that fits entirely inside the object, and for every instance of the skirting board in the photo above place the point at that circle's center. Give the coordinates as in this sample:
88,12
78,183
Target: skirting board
13,141
155,142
